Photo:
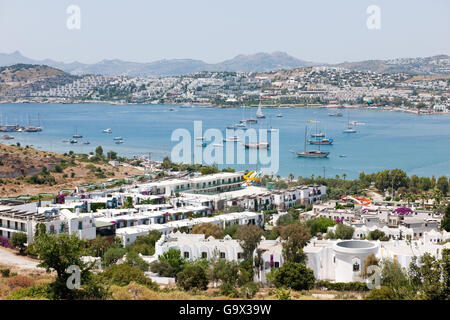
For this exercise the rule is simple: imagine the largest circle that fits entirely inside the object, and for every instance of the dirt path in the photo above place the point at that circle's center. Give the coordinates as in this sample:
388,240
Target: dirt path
375,195
9,258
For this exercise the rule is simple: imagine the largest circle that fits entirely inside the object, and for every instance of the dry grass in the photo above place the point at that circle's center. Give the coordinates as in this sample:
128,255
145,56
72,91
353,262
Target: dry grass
20,278
30,160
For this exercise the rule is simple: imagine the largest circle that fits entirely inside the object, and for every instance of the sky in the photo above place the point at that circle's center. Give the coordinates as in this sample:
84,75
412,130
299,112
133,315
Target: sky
325,31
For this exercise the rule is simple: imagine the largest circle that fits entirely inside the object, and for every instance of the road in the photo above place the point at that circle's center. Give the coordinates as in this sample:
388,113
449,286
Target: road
11,259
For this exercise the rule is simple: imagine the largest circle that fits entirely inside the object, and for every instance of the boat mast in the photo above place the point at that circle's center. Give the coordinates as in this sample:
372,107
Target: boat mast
306,132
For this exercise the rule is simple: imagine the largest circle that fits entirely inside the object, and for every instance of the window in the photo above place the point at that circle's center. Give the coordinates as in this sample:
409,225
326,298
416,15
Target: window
356,267
80,225
186,254
222,255
204,255
277,264
239,255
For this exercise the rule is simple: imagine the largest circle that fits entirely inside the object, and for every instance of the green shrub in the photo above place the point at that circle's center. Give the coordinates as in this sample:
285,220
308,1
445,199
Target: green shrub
382,293
342,286
43,292
123,274
295,276
249,290
227,289
193,276
112,255
5,272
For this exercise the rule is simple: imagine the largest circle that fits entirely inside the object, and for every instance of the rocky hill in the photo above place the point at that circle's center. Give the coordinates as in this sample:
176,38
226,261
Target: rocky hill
425,66
23,77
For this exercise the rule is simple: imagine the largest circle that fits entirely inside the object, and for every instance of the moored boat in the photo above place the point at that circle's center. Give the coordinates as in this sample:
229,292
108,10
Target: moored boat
259,113
313,154
322,141
260,145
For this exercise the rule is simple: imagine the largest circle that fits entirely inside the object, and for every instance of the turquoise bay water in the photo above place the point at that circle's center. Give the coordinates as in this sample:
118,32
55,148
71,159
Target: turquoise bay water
417,144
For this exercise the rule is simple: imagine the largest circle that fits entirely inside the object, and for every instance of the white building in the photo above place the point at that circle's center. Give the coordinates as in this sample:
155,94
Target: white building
129,234
14,220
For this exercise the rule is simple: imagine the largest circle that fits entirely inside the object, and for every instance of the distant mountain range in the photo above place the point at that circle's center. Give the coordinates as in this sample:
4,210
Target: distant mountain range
259,62
242,63
439,64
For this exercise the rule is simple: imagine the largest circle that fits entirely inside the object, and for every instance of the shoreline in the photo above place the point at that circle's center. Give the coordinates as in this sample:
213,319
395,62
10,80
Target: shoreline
270,106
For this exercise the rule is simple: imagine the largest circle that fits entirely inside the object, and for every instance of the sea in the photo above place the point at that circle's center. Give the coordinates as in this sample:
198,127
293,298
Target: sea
418,144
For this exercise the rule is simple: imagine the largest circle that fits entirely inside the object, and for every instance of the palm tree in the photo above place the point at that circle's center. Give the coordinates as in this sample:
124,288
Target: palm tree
291,176
424,197
344,175
337,177
437,196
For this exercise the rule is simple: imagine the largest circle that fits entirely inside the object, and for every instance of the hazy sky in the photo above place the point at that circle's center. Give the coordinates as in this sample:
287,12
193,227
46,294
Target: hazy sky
214,30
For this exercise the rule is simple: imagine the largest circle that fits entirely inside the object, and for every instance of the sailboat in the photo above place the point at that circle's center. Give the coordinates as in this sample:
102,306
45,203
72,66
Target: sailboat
349,129
279,115
76,135
243,122
311,153
271,129
317,134
259,113
30,128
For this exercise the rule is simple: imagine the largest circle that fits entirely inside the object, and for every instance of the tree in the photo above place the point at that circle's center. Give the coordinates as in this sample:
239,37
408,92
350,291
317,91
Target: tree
208,229
445,262
296,236
166,163
437,196
123,274
320,224
377,235
445,223
295,276
249,236
442,184
19,239
398,178
225,271
342,232
112,255
371,260
133,259
382,180
99,151
193,276
394,277
111,155
426,277
145,245
58,253
99,246
169,264
128,203
231,230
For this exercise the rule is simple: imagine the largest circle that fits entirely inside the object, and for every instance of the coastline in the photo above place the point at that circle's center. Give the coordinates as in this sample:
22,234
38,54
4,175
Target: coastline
269,106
